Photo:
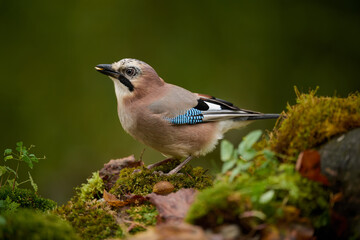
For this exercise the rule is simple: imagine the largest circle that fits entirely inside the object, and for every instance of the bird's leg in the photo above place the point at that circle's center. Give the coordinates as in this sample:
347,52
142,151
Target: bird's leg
160,163
180,166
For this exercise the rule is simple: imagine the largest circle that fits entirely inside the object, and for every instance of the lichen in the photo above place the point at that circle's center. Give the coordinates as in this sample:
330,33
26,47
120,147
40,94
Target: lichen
91,219
31,224
312,121
25,198
142,181
142,216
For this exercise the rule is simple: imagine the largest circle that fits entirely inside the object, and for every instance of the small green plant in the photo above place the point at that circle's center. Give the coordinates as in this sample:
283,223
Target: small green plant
93,188
21,155
255,182
243,158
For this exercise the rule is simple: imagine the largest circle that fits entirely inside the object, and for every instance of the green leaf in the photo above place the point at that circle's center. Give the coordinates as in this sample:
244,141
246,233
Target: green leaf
11,182
269,155
33,158
7,151
33,184
235,172
2,221
3,170
228,165
11,170
267,196
8,157
226,150
249,154
28,161
241,167
249,141
19,146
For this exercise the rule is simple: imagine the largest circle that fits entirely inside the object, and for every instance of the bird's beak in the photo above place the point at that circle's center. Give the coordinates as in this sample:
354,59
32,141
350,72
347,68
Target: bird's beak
107,70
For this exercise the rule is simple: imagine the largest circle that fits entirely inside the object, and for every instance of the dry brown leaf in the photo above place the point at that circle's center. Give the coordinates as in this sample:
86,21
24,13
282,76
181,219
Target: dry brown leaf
337,197
113,201
174,206
308,165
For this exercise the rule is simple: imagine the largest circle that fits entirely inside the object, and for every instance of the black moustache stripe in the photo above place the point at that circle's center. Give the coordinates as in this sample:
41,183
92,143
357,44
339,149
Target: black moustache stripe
126,82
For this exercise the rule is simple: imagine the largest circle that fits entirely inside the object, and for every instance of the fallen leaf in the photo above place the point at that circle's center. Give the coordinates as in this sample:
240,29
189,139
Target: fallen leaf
308,165
334,198
113,201
110,172
174,206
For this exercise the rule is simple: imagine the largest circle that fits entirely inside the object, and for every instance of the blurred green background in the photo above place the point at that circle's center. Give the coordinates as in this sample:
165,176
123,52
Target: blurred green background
251,53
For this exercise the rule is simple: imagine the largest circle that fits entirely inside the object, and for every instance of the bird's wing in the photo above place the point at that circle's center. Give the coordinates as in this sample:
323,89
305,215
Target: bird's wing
180,106
172,101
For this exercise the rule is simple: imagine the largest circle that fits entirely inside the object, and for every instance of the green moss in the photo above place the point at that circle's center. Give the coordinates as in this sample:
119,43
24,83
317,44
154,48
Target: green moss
217,205
265,193
93,188
254,181
30,224
142,182
314,120
26,198
8,206
144,215
91,220
271,187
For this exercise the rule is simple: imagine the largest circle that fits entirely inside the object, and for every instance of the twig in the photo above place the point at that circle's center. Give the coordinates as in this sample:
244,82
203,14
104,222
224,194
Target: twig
133,224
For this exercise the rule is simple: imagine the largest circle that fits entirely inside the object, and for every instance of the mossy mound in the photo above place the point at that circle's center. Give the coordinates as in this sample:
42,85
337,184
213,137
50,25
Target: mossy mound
260,184
31,224
312,121
26,198
268,195
141,180
91,220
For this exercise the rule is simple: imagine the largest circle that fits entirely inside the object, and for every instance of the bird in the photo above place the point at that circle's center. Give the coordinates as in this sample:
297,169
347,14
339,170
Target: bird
168,118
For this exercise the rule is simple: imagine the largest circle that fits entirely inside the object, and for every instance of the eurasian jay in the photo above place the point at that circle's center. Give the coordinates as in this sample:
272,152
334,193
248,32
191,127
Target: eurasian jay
168,118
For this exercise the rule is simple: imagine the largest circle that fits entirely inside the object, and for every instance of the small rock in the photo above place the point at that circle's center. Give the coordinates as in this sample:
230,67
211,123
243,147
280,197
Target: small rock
163,188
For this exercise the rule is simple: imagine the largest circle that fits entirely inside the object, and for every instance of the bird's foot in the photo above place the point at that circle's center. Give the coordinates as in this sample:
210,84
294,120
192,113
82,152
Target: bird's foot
159,163
180,166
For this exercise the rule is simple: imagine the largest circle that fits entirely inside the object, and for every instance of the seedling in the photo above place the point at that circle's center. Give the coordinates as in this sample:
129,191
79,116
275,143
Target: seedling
21,155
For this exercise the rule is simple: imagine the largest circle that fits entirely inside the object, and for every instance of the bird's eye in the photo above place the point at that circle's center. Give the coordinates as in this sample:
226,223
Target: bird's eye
130,71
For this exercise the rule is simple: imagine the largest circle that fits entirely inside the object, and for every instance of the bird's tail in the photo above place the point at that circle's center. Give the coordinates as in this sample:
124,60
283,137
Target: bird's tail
257,117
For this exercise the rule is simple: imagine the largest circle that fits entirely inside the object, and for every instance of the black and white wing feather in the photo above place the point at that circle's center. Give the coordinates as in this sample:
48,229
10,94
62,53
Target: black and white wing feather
211,109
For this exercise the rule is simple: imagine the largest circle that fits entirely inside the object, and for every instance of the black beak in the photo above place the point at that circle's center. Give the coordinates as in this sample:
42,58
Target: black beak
107,70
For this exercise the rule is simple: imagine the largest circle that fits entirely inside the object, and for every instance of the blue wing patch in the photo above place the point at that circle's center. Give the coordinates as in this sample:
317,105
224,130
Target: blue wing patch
192,116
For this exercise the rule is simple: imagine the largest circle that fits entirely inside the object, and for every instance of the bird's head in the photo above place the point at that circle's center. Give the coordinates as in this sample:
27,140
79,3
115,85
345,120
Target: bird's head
131,77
